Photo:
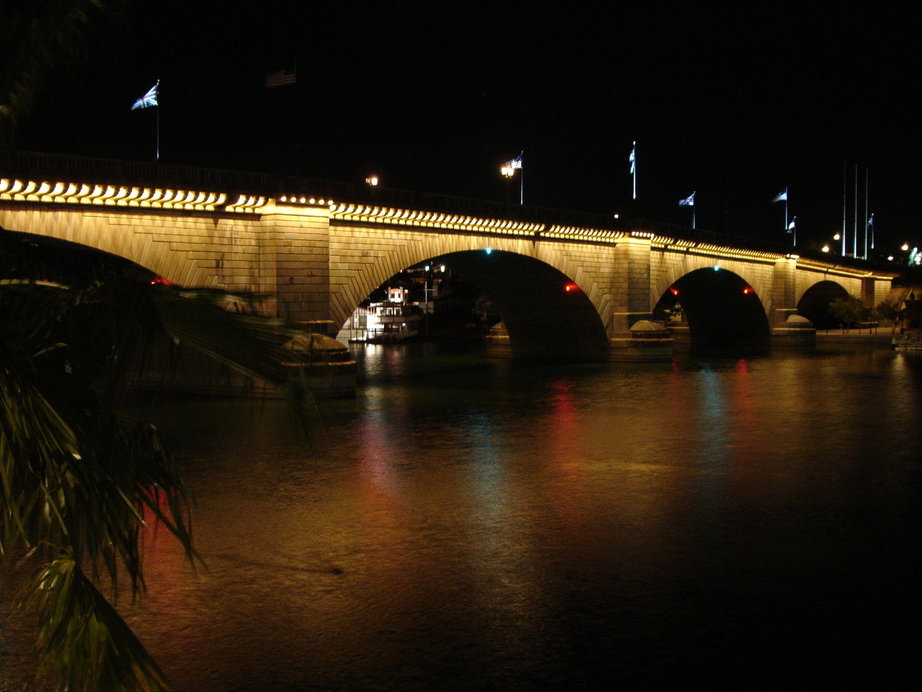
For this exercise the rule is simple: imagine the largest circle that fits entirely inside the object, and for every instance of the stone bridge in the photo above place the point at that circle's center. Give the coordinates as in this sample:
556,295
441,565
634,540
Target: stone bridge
319,250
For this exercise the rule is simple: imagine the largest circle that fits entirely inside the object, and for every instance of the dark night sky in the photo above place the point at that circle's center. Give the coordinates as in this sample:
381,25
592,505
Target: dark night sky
735,101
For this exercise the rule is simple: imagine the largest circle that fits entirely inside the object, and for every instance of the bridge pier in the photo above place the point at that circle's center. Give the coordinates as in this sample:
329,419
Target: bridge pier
795,332
631,287
631,305
296,244
788,329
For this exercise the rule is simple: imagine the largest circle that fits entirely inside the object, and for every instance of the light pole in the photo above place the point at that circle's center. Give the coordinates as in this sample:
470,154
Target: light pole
508,170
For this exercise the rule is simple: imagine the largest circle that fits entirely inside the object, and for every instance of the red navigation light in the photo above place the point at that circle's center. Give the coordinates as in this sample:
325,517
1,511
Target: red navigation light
160,280
747,291
570,288
674,291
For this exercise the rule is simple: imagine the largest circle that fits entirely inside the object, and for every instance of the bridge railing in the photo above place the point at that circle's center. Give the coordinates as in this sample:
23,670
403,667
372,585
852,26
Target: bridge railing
156,174
137,173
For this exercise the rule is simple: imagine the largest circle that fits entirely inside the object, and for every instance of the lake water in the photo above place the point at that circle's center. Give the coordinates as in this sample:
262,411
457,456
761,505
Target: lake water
468,524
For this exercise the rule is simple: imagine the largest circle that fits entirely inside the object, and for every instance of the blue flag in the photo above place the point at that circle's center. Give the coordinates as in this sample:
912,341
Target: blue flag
792,225
688,201
514,163
149,99
781,196
632,159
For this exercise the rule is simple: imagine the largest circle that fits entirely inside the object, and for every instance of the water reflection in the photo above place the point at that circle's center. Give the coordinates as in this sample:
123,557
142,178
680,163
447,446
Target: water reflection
477,525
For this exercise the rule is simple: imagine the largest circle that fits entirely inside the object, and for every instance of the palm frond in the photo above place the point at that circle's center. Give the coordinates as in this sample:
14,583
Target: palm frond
252,345
79,481
84,644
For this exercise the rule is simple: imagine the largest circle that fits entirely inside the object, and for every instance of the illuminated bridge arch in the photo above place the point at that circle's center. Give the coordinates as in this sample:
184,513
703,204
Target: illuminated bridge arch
528,281
818,285
758,274
135,236
718,308
814,302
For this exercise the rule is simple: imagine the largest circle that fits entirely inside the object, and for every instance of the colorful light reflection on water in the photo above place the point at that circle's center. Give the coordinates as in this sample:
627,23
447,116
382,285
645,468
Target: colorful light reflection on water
473,525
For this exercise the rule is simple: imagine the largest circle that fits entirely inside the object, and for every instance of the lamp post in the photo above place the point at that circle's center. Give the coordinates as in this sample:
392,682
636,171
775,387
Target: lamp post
508,170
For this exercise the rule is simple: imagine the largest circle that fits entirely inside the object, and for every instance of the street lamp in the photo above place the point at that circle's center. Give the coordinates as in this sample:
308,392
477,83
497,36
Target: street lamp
827,247
508,170
372,180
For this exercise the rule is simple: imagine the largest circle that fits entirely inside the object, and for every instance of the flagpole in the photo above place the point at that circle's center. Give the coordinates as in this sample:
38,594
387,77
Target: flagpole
508,170
689,202
844,205
157,106
855,217
865,212
522,181
785,208
151,99
634,169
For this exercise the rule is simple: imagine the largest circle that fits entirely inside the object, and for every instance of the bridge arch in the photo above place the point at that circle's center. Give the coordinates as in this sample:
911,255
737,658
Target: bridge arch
509,269
719,308
167,244
815,301
545,313
671,269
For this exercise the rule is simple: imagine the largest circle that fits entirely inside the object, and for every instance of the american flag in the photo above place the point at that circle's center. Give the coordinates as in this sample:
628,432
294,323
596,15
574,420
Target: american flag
281,78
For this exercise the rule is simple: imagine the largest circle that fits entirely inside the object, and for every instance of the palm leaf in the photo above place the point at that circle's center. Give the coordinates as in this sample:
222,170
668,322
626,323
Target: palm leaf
251,345
84,644
78,480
